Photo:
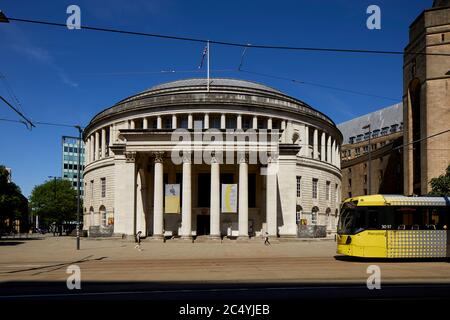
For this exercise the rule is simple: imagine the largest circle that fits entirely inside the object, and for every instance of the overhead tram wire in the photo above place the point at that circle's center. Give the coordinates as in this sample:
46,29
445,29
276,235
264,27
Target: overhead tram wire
421,139
125,73
27,121
11,93
43,123
317,85
225,43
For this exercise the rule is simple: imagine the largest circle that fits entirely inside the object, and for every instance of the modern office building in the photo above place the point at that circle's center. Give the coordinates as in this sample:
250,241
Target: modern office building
230,159
70,161
386,166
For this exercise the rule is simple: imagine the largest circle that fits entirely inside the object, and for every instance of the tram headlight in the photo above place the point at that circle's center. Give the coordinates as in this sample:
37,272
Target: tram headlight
349,240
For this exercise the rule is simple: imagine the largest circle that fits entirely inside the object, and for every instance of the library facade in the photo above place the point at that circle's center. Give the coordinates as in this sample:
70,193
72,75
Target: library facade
228,158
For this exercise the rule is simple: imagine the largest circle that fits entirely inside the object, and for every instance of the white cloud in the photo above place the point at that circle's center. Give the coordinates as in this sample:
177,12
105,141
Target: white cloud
21,44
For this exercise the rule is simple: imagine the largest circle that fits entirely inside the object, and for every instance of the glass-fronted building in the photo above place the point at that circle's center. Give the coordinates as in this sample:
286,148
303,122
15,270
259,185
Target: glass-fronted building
70,161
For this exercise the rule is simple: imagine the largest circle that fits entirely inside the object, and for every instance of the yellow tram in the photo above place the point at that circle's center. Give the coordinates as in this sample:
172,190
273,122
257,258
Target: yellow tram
394,226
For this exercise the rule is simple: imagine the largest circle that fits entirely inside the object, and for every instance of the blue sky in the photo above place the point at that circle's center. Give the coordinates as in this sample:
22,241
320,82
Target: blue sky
68,76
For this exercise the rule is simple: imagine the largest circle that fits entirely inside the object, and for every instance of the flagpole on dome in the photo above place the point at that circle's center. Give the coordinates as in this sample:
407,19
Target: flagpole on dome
207,66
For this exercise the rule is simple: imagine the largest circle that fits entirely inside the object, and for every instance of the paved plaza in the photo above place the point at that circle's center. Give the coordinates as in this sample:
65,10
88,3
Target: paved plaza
47,258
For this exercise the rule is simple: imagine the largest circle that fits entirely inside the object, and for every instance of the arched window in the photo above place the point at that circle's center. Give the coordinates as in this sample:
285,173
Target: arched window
103,220
314,213
327,218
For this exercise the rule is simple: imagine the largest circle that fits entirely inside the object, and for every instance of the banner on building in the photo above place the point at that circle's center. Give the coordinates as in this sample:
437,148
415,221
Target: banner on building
229,198
172,198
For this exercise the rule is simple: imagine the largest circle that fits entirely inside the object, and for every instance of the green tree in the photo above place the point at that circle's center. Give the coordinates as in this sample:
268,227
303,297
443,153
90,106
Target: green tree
440,186
13,205
55,201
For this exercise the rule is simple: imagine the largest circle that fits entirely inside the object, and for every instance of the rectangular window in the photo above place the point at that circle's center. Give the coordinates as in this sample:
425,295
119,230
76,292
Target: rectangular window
214,122
168,123
246,123
262,123
299,186
327,190
103,185
314,188
231,123
336,192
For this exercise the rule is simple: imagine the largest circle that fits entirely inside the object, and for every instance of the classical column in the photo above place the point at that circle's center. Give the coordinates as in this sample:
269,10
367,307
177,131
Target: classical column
306,142
158,198
271,197
336,156
145,123
132,124
125,193
206,121
215,199
190,121
111,135
333,152
283,129
174,121
223,123
103,143
186,208
269,123
315,144
243,196
255,122
114,137
239,121
86,151
329,149
338,159
322,147
97,145
158,122
91,148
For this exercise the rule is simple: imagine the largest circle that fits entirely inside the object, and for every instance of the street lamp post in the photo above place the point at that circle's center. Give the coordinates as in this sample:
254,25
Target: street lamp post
80,131
369,178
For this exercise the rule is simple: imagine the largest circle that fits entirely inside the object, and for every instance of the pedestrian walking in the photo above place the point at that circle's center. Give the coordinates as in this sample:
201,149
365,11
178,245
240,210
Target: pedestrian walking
266,239
138,241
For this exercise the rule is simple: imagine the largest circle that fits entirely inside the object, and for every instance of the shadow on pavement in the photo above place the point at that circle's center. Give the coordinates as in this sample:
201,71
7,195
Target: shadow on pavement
10,243
53,267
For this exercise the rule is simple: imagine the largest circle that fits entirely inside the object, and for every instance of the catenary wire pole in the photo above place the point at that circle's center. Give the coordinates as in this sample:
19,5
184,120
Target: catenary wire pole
80,132
207,65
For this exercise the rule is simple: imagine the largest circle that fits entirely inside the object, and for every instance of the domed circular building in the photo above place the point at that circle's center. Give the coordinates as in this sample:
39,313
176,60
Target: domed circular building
234,159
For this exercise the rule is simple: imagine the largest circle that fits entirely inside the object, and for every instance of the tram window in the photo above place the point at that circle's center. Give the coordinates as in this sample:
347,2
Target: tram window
373,219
